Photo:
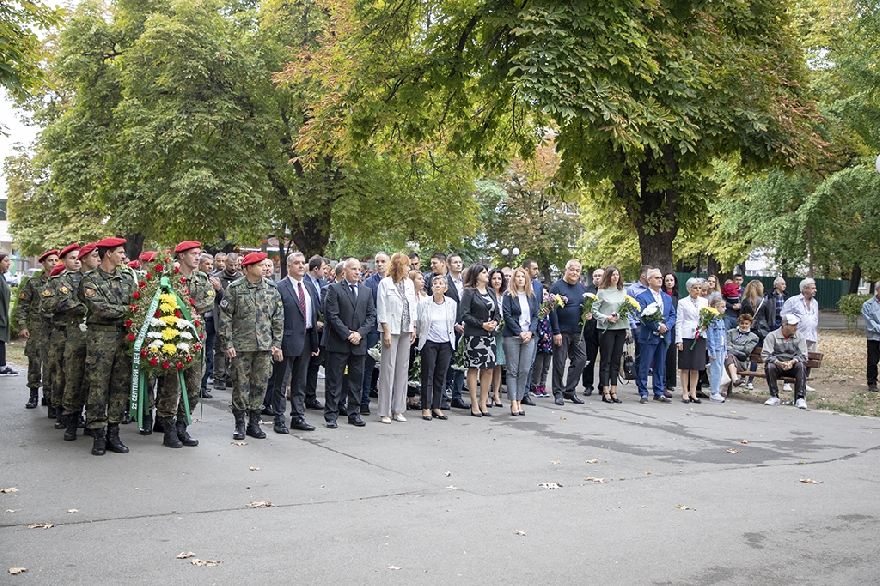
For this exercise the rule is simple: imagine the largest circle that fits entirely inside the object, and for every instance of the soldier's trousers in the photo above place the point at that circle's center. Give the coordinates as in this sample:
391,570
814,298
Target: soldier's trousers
75,389
36,351
250,372
168,403
108,375
55,362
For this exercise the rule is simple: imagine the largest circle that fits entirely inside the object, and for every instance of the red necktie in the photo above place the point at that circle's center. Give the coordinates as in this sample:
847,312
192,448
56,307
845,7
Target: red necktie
302,304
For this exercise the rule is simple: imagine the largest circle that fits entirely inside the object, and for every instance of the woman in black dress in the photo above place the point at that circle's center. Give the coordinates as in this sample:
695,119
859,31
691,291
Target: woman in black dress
670,287
479,312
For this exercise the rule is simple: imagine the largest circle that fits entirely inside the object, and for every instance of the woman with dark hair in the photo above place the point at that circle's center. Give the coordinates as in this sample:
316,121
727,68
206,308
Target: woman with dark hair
498,283
670,287
5,263
613,331
480,314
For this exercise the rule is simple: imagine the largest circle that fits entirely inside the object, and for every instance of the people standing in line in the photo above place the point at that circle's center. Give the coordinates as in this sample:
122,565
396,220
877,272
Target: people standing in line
498,283
778,297
436,318
871,312
691,349
370,377
567,329
670,287
654,336
480,314
396,315
806,307
591,340
519,308
33,326
716,346
613,331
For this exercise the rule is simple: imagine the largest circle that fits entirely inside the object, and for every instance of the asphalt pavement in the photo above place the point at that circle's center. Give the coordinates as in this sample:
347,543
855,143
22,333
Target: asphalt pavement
594,493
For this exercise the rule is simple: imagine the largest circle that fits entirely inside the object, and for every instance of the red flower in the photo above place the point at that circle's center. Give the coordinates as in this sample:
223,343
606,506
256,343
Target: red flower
201,336
154,361
177,270
149,276
182,279
130,337
186,291
197,347
143,353
128,323
178,314
158,268
192,301
133,307
166,364
189,358
158,313
180,366
136,294
167,258
197,323
142,285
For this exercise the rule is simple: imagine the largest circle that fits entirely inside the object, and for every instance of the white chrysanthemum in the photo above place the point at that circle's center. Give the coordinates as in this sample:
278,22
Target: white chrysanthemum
157,323
156,344
186,335
183,347
154,335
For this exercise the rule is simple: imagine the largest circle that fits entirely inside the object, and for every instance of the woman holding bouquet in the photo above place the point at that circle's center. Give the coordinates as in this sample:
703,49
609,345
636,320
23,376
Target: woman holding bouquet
480,314
690,339
613,331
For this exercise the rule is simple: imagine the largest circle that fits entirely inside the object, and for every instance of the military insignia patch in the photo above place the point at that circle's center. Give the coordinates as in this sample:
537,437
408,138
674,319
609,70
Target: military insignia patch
64,290
89,292
47,292
211,293
224,304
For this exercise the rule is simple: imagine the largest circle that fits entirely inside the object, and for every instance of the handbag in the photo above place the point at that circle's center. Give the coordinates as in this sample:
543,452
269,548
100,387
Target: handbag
628,364
725,377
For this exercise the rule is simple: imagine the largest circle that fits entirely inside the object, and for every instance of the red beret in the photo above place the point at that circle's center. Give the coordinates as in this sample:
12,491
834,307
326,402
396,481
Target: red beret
87,249
110,242
149,256
187,245
68,249
134,264
47,254
253,258
56,270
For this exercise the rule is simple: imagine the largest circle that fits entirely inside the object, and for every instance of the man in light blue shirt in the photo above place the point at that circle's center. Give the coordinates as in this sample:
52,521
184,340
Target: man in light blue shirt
871,311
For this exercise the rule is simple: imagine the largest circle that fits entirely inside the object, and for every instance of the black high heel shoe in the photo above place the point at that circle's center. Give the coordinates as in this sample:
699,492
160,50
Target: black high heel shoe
614,398
497,403
606,398
477,414
486,414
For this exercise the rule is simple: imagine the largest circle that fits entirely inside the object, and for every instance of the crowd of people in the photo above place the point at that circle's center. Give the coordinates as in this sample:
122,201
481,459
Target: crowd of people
411,340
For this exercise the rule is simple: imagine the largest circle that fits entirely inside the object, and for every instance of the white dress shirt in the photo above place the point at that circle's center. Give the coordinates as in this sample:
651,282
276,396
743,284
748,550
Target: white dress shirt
309,309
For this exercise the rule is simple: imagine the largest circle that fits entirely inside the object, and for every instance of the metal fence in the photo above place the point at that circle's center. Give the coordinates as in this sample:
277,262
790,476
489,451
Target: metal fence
828,291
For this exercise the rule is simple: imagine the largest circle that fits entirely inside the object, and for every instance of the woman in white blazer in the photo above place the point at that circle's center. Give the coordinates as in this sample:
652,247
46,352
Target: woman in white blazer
396,304
436,324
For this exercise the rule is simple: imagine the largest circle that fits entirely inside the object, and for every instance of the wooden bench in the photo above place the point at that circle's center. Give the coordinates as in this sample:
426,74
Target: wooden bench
814,360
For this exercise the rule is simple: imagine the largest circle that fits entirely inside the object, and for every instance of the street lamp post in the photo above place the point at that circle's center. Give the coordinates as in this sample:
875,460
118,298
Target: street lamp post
510,254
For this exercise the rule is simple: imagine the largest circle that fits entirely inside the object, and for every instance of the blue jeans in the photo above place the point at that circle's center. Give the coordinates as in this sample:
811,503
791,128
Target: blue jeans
210,339
652,354
716,371
455,381
369,365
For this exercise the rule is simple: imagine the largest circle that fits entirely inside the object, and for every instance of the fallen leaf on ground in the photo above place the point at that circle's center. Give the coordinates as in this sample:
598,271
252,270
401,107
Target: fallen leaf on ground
448,474
40,526
647,473
593,461
732,451
17,570
265,422
185,554
520,533
254,468
684,508
556,462
393,568
10,510
549,485
259,504
4,490
206,563
810,481
594,479
744,442
450,487
239,443
733,412
563,418
73,510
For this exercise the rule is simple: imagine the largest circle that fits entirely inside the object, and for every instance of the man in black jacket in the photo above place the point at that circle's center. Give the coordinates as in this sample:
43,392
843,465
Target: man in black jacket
591,337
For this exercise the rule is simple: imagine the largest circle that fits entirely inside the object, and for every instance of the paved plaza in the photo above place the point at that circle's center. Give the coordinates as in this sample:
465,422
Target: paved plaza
648,494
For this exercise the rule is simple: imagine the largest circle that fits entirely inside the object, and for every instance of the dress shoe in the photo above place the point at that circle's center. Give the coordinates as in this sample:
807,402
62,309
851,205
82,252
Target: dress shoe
301,425
268,411
204,394
459,404
697,401
356,421
477,414
527,401
606,398
444,405
331,425
588,391
412,407
559,401
365,410
685,400
522,413
575,399
398,417
314,405
615,399
279,427
440,417
514,413
486,414
497,404
667,393
662,399
427,417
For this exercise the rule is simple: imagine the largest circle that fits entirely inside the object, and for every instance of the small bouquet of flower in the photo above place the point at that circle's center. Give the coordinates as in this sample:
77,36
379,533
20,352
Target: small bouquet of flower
376,352
653,313
458,359
587,310
629,307
414,376
707,316
551,302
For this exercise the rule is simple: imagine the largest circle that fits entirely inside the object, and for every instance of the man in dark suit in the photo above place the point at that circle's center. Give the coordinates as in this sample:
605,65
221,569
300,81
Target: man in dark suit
349,315
298,344
318,265
591,337
654,338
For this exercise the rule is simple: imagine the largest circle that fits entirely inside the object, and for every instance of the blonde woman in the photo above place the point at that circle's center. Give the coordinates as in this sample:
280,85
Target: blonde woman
396,313
519,307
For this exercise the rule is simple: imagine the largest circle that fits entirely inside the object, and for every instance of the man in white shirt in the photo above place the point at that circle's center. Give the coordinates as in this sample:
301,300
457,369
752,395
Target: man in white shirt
806,308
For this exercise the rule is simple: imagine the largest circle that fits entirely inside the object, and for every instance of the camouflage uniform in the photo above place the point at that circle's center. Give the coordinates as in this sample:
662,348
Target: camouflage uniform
251,321
167,404
29,316
106,296
73,312
57,336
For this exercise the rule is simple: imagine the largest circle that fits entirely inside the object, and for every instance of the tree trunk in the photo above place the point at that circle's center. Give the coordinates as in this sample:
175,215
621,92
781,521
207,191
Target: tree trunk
855,279
134,245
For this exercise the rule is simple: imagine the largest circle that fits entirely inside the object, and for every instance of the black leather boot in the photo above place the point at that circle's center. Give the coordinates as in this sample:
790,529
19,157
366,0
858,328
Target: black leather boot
99,441
238,434
51,413
253,427
157,425
114,444
60,420
184,436
170,440
35,398
70,431
147,428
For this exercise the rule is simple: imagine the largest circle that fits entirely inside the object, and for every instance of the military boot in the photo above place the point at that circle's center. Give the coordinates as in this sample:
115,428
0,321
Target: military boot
70,429
99,445
184,436
32,402
157,425
113,442
147,428
51,413
60,420
253,427
170,440
238,434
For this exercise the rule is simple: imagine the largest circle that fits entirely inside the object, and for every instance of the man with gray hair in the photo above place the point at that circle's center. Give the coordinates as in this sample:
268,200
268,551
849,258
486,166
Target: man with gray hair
871,311
568,339
806,308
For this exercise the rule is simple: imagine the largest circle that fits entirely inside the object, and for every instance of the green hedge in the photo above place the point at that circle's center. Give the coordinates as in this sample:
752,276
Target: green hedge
851,308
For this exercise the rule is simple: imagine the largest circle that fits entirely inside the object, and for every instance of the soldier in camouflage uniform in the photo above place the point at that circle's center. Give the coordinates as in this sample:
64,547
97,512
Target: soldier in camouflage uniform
195,286
251,326
33,326
58,328
106,293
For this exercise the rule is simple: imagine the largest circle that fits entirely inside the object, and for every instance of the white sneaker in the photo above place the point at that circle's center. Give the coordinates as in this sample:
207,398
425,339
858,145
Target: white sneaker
810,389
786,387
772,401
750,387
716,398
800,404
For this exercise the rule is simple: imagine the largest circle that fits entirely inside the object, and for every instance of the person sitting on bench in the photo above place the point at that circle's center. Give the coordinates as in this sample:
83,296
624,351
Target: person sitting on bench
784,354
741,340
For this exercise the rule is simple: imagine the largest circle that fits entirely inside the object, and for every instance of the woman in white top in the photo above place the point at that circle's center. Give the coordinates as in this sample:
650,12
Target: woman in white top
520,311
690,360
436,326
396,304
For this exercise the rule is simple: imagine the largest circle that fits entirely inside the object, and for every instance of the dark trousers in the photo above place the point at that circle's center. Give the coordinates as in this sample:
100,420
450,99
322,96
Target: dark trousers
573,349
671,360
210,341
369,366
290,373
873,359
798,372
611,344
435,362
591,340
334,392
652,354
312,376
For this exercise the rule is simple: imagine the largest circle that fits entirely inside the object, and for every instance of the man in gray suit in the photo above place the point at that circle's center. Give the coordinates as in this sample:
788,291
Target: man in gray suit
349,315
